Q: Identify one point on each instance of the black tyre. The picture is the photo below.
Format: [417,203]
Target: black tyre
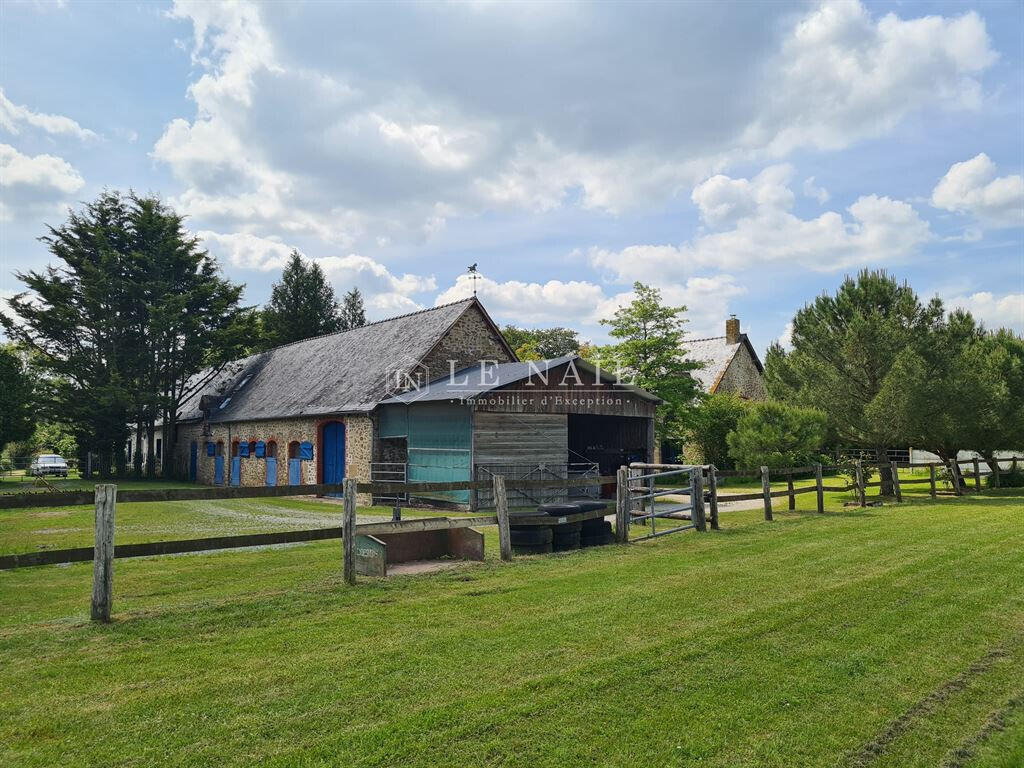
[530,536]
[558,510]
[565,528]
[566,542]
[596,527]
[531,549]
[591,506]
[596,541]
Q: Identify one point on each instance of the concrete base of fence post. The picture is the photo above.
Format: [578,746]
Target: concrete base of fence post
[820,490]
[103,554]
[622,505]
[501,509]
[766,489]
[713,495]
[348,535]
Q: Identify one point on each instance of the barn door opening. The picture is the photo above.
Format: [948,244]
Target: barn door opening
[236,464]
[294,464]
[332,453]
[218,464]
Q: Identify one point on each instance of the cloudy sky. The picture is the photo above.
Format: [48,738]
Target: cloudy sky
[741,157]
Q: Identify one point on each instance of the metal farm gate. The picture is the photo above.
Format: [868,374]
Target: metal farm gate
[543,471]
[647,483]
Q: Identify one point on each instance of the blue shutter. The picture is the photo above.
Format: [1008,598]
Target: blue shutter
[261,449]
[306,451]
[211,449]
[243,449]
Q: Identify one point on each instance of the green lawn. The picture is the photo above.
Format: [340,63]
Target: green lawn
[24,484]
[887,637]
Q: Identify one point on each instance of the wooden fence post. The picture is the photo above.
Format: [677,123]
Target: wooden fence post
[766,488]
[501,509]
[859,478]
[894,471]
[954,472]
[977,475]
[621,506]
[931,478]
[789,488]
[821,491]
[713,495]
[697,499]
[103,554]
[348,532]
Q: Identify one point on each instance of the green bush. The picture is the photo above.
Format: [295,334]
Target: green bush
[777,435]
[1008,479]
[710,425]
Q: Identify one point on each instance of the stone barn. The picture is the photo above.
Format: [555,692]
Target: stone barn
[432,395]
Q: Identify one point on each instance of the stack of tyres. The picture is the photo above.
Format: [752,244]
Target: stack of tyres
[531,539]
[566,536]
[596,533]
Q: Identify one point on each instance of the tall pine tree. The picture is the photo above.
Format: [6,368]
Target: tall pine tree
[301,305]
[353,314]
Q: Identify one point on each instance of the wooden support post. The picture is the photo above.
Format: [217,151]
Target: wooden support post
[821,491]
[789,489]
[859,478]
[713,495]
[621,505]
[103,554]
[501,509]
[954,472]
[396,513]
[766,488]
[931,479]
[977,475]
[697,499]
[996,480]
[348,532]
[894,471]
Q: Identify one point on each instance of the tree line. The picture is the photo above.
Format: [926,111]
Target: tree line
[112,336]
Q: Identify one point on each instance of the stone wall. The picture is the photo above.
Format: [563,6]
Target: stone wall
[742,377]
[470,340]
[358,449]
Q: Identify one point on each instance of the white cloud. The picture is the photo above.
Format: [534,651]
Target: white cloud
[757,227]
[972,187]
[384,292]
[247,251]
[497,109]
[785,339]
[1005,311]
[32,185]
[843,75]
[579,303]
[815,192]
[12,116]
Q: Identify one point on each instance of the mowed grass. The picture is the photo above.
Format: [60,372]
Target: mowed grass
[890,636]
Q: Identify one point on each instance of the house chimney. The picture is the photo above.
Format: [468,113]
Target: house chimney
[732,330]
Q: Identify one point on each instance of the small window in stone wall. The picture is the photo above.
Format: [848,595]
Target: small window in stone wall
[220,447]
[252,447]
[293,449]
[272,450]
[234,448]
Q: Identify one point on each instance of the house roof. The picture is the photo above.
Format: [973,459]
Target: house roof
[473,381]
[341,372]
[716,355]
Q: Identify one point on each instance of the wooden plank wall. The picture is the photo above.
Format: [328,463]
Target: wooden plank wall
[520,438]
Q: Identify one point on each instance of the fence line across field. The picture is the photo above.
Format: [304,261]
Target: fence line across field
[635,485]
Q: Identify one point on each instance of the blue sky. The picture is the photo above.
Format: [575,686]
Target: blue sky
[743,158]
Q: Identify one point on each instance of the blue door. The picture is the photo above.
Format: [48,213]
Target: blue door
[218,470]
[193,461]
[271,471]
[236,470]
[294,471]
[333,453]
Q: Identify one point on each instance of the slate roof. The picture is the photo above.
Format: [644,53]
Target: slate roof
[716,356]
[469,383]
[342,372]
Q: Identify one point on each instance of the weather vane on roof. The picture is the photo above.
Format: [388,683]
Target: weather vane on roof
[474,276]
